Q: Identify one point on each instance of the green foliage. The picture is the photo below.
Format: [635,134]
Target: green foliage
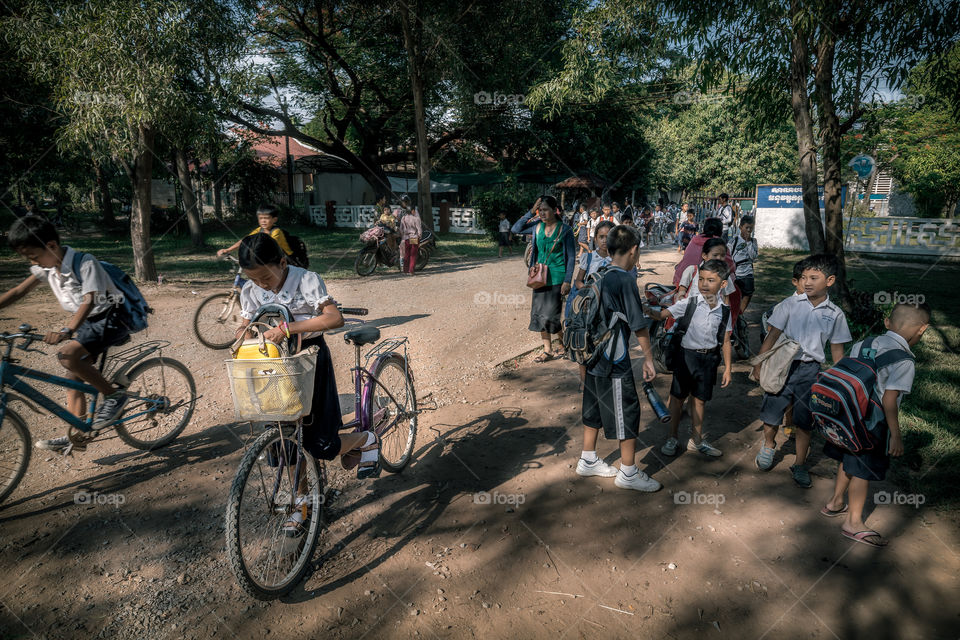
[511,198]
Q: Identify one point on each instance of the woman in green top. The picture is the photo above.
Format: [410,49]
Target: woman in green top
[553,245]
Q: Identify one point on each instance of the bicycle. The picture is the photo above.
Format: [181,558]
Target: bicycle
[277,477]
[159,389]
[216,319]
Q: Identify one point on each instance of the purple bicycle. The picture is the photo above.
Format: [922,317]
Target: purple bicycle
[275,507]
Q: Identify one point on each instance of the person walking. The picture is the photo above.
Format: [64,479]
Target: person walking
[411,228]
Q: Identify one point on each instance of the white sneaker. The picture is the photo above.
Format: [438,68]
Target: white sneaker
[638,481]
[596,468]
[704,447]
[669,447]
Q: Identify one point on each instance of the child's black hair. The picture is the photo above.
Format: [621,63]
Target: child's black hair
[269,210]
[718,267]
[621,239]
[713,227]
[32,231]
[259,250]
[747,220]
[711,243]
[825,263]
[798,269]
[603,224]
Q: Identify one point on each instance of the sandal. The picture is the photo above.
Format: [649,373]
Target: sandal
[560,355]
[830,513]
[544,357]
[862,538]
[293,527]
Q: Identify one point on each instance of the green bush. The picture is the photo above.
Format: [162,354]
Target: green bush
[511,198]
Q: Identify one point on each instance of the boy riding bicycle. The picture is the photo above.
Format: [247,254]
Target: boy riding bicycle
[99,320]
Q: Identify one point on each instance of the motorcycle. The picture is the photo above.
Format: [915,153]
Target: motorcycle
[376,251]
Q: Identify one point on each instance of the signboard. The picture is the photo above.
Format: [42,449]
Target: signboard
[863,165]
[779,212]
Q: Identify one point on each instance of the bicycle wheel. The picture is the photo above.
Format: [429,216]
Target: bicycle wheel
[216,320]
[528,254]
[366,262]
[14,452]
[741,343]
[394,418]
[659,343]
[165,394]
[274,481]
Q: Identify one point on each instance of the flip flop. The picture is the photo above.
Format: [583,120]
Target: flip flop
[544,357]
[830,513]
[861,537]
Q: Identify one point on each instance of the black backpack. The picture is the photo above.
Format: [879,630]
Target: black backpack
[299,257]
[674,353]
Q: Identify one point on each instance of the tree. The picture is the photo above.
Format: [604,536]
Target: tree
[111,68]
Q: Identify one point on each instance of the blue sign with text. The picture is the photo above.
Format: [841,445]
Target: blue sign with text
[787,196]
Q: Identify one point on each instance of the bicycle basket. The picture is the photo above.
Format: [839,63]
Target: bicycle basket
[273,389]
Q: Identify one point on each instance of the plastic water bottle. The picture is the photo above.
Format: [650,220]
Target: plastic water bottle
[656,403]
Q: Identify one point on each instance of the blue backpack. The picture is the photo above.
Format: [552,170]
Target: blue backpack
[133,302]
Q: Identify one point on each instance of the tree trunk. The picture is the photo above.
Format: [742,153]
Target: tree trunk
[103,186]
[414,59]
[832,179]
[215,175]
[189,198]
[141,172]
[799,72]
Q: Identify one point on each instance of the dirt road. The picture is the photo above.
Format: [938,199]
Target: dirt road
[488,532]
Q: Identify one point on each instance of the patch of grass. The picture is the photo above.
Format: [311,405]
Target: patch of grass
[929,415]
[332,252]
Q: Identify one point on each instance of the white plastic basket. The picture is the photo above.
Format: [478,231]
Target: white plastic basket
[273,389]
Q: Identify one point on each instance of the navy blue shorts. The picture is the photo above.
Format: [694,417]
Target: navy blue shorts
[796,391]
[696,375]
[107,329]
[868,465]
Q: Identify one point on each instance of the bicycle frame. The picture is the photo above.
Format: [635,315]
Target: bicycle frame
[12,377]
[364,380]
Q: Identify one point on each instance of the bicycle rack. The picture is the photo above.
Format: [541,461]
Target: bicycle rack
[116,361]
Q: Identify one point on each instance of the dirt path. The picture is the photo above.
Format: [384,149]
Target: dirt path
[488,533]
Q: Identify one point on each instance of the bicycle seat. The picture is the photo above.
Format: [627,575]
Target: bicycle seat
[362,336]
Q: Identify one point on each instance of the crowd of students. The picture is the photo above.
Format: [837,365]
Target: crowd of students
[716,282]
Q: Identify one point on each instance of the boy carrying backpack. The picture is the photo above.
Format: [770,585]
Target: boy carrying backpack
[605,311]
[106,308]
[882,369]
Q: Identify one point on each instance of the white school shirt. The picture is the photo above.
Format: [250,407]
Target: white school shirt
[302,293]
[898,376]
[811,326]
[596,262]
[743,252]
[702,332]
[68,288]
[504,226]
[725,213]
[692,283]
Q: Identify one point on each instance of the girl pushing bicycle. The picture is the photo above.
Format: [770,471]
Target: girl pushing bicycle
[270,280]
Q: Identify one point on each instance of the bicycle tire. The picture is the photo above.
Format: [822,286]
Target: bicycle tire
[528,255]
[124,428]
[12,420]
[366,262]
[392,431]
[305,544]
[659,343]
[231,319]
[742,349]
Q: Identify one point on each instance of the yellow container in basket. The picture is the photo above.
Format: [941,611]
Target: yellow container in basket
[269,387]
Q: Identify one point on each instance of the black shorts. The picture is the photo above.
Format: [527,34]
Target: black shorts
[696,374]
[611,404]
[869,465]
[504,238]
[321,429]
[746,285]
[104,330]
[796,391]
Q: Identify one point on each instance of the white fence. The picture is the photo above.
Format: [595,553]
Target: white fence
[923,236]
[462,219]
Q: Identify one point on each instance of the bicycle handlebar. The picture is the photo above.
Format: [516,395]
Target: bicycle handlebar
[353,311]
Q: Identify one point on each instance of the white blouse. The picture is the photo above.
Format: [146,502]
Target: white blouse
[303,293]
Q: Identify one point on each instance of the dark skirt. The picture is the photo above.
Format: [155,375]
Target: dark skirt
[545,309]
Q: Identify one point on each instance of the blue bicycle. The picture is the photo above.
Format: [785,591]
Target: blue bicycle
[161,391]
